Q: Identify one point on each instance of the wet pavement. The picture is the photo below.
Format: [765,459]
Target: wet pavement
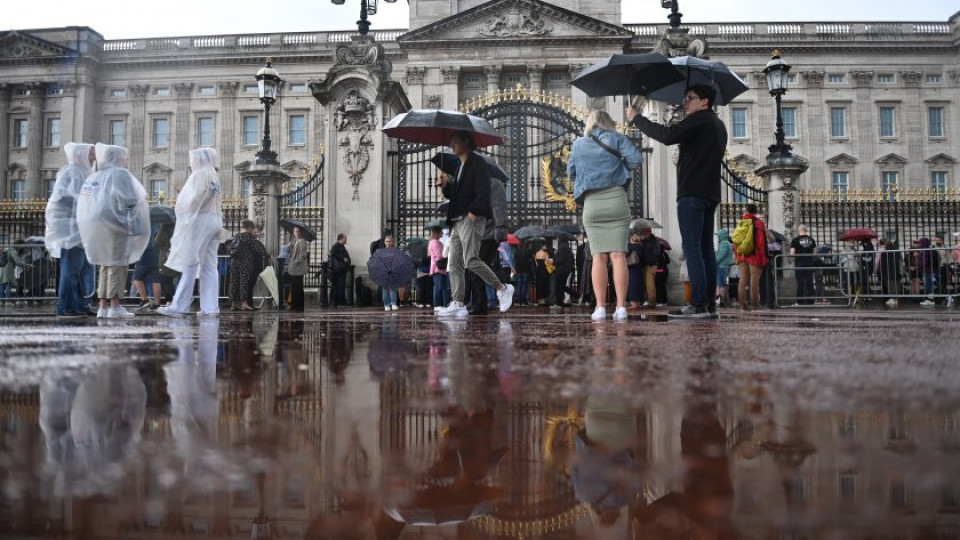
[355,424]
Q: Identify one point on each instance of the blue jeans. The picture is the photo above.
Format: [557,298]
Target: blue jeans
[523,287]
[76,275]
[696,216]
[6,290]
[389,297]
[441,290]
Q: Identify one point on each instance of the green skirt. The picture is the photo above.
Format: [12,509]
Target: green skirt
[606,217]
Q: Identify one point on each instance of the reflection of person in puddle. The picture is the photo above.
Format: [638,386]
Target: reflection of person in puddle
[704,508]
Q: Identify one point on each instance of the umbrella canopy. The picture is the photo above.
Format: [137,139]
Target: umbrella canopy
[664,244]
[162,215]
[512,239]
[269,278]
[553,233]
[447,504]
[391,268]
[637,74]
[33,240]
[695,70]
[416,249]
[442,208]
[288,225]
[449,163]
[436,126]
[644,223]
[438,223]
[778,236]
[858,233]
[568,228]
[529,231]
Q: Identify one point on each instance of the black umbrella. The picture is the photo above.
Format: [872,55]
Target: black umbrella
[568,228]
[289,224]
[447,504]
[529,231]
[552,233]
[391,268]
[449,163]
[695,70]
[621,74]
[442,208]
[778,237]
[416,249]
[435,126]
[162,215]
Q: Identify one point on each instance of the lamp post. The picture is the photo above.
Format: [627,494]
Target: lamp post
[776,72]
[367,7]
[675,15]
[268,84]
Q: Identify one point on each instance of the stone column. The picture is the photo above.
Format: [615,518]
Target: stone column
[493,77]
[4,139]
[535,73]
[578,96]
[264,204]
[138,120]
[415,85]
[451,86]
[781,181]
[911,130]
[35,142]
[181,134]
[867,130]
[227,142]
[815,120]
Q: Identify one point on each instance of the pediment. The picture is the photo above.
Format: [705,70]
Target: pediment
[512,20]
[294,165]
[15,167]
[941,158]
[842,159]
[746,161]
[19,45]
[243,165]
[157,168]
[892,159]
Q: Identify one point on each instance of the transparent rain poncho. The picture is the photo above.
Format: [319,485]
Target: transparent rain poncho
[199,211]
[112,212]
[61,215]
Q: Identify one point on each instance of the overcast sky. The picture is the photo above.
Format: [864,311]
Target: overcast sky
[120,20]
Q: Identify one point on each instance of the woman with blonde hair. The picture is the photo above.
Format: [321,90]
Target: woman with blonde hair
[600,164]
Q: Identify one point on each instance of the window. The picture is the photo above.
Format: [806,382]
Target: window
[22,91]
[161,132]
[835,78]
[791,78]
[298,88]
[20,133]
[207,91]
[53,132]
[298,129]
[898,494]
[514,79]
[934,78]
[840,181]
[116,132]
[935,121]
[938,181]
[250,89]
[55,90]
[158,188]
[887,123]
[472,81]
[246,187]
[18,189]
[163,91]
[847,427]
[888,184]
[838,122]
[251,130]
[848,487]
[118,92]
[50,183]
[885,78]
[205,131]
[555,79]
[739,120]
[789,115]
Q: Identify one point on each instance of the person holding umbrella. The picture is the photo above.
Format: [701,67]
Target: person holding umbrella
[703,139]
[469,210]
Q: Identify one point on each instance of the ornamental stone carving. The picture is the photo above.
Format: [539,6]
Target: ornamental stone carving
[575,69]
[362,51]
[451,74]
[862,78]
[515,23]
[415,74]
[954,75]
[355,118]
[814,79]
[139,91]
[911,79]
[433,101]
[789,189]
[228,88]
[535,73]
[183,90]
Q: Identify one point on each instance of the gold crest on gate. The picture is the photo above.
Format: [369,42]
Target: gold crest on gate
[557,186]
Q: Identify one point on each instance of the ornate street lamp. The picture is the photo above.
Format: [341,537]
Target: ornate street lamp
[367,7]
[268,84]
[776,72]
[675,15]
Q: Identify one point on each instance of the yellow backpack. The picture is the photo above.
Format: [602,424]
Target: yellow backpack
[743,237]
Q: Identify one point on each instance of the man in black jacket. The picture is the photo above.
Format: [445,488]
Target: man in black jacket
[339,260]
[703,139]
[467,214]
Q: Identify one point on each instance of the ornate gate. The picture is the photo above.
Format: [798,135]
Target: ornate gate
[538,129]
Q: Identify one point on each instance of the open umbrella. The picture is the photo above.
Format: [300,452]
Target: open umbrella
[695,70]
[269,279]
[568,228]
[529,231]
[391,268]
[858,233]
[443,505]
[33,240]
[512,239]
[442,208]
[778,236]
[621,74]
[644,223]
[416,249]
[438,223]
[449,163]
[436,126]
[553,233]
[288,225]
[162,215]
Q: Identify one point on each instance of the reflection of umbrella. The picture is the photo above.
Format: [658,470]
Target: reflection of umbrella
[438,223]
[449,163]
[442,209]
[512,239]
[627,74]
[435,126]
[777,236]
[858,233]
[529,231]
[416,249]
[388,353]
[162,215]
[695,70]
[288,225]
[552,233]
[447,504]
[269,278]
[644,223]
[33,240]
[391,268]
[568,228]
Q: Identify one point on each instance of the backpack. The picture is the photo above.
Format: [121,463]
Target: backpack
[743,237]
[4,259]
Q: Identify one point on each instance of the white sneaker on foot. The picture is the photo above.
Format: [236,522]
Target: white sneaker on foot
[505,297]
[599,314]
[394,307]
[118,312]
[891,302]
[928,303]
[386,308]
[620,314]
[455,309]
[102,313]
[170,312]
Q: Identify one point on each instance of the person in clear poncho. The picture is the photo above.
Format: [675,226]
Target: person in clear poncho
[114,224]
[63,235]
[193,248]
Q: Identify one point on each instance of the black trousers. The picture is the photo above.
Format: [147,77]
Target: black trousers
[296,291]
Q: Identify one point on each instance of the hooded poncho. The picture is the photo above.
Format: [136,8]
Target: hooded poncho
[61,215]
[199,211]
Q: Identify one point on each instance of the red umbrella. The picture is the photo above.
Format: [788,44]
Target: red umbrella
[512,239]
[858,233]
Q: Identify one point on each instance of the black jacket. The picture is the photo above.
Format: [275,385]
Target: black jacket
[703,140]
[339,258]
[471,193]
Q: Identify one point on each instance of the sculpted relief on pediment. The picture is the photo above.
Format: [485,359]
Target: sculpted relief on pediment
[514,23]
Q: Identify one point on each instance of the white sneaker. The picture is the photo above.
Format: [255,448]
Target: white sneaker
[208,314]
[455,309]
[599,314]
[928,303]
[394,307]
[118,312]
[891,302]
[102,313]
[950,302]
[438,309]
[170,312]
[662,304]
[386,308]
[620,314]
[505,297]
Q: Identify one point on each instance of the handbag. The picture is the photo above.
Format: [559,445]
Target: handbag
[549,266]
